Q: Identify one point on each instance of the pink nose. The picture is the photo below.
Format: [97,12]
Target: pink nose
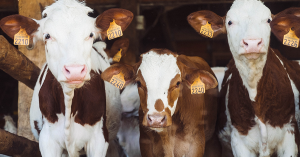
[75,73]
[157,120]
[252,45]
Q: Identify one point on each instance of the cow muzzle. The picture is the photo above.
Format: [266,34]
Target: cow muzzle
[75,74]
[252,48]
[157,120]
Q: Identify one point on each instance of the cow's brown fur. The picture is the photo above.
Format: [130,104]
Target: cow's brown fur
[188,129]
[89,102]
[274,102]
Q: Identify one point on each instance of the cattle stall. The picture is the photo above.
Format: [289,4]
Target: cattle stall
[156,24]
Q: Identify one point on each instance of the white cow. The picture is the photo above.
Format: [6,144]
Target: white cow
[68,109]
[260,90]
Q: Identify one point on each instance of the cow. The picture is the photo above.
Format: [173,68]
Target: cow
[7,124]
[219,72]
[173,122]
[260,89]
[72,107]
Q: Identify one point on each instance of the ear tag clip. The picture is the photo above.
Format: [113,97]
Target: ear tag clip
[117,56]
[118,80]
[198,87]
[114,31]
[290,39]
[206,30]
[21,38]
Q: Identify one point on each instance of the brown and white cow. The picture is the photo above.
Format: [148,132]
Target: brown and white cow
[72,107]
[171,118]
[260,90]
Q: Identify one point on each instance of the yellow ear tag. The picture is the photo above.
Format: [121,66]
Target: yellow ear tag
[114,31]
[117,56]
[198,87]
[290,39]
[207,30]
[21,38]
[118,80]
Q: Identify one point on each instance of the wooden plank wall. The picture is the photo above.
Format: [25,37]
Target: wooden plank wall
[30,9]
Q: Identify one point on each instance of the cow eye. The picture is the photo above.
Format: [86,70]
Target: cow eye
[177,84]
[138,83]
[229,23]
[269,20]
[47,36]
[91,35]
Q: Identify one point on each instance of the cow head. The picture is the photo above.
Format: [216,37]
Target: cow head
[160,76]
[248,27]
[68,33]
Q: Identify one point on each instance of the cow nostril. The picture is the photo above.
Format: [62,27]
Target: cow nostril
[149,118]
[245,43]
[259,43]
[83,70]
[67,71]
[163,119]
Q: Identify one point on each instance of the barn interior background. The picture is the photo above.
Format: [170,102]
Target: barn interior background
[158,24]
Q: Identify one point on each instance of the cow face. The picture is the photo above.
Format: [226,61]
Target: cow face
[160,75]
[247,25]
[68,33]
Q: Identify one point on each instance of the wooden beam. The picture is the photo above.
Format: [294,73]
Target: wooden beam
[17,65]
[12,145]
[30,9]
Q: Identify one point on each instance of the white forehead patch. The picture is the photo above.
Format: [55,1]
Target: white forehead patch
[66,16]
[158,70]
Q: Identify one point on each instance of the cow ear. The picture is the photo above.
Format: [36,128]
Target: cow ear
[11,25]
[122,43]
[115,69]
[208,79]
[284,21]
[122,18]
[200,18]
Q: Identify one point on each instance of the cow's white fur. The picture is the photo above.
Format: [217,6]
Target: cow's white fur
[69,26]
[158,70]
[219,72]
[249,21]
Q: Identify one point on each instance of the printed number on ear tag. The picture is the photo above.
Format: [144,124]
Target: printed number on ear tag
[21,38]
[114,31]
[290,39]
[118,80]
[118,56]
[207,30]
[198,87]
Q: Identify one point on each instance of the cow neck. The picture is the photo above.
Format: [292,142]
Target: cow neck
[251,72]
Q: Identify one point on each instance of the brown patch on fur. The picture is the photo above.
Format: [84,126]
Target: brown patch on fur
[168,111]
[36,127]
[200,18]
[2,121]
[159,105]
[89,101]
[11,25]
[274,89]
[41,78]
[122,18]
[122,43]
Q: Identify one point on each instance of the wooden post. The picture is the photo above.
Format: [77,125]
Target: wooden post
[11,144]
[30,9]
[17,65]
